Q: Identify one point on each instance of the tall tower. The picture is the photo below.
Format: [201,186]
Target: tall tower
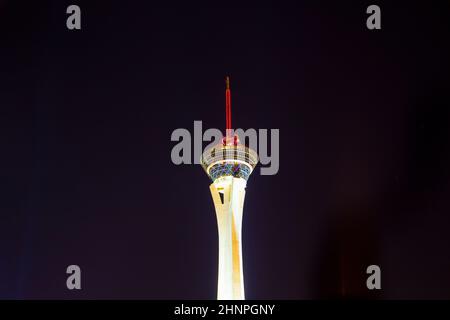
[229,165]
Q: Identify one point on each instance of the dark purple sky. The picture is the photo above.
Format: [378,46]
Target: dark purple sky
[87,179]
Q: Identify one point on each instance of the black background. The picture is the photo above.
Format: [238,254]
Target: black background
[87,179]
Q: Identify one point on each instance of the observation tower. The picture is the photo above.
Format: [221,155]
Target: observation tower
[229,165]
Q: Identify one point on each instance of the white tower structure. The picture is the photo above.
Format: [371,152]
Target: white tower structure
[229,166]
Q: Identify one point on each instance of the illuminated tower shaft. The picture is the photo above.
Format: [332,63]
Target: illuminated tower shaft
[229,166]
[228,197]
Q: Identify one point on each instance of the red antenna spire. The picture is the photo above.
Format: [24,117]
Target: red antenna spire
[228,106]
[229,139]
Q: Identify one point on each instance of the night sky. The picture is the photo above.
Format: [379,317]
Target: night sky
[86,176]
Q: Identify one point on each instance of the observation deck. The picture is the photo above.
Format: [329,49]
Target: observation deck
[230,159]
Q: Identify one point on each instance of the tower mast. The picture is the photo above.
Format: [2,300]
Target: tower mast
[228,107]
[229,139]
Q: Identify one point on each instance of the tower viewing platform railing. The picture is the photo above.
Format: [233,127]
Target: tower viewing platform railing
[229,160]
